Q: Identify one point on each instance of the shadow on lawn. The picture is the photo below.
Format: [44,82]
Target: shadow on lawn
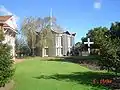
[82,78]
[90,62]
[77,59]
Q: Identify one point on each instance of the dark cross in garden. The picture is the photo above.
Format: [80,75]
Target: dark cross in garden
[88,43]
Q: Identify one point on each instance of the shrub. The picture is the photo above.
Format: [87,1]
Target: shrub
[6,68]
[110,55]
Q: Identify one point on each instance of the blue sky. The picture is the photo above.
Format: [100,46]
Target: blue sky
[76,15]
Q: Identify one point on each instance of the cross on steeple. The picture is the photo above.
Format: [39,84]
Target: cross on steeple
[88,43]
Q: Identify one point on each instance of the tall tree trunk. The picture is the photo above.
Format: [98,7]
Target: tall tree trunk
[33,52]
[116,71]
[108,69]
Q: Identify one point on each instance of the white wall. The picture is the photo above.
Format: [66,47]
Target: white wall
[10,41]
[11,22]
[58,45]
[8,38]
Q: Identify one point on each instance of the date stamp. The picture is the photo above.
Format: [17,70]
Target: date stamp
[102,81]
[113,83]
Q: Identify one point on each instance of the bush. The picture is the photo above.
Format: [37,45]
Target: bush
[110,55]
[6,68]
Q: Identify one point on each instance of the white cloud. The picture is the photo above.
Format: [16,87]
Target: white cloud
[4,11]
[97,4]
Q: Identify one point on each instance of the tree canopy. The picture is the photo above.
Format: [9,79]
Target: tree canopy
[107,41]
[38,32]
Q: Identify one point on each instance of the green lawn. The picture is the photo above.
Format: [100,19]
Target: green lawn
[37,74]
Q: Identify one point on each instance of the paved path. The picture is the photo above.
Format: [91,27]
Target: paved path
[18,60]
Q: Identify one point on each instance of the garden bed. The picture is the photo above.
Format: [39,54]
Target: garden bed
[8,86]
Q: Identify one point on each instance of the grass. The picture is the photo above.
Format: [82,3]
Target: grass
[37,74]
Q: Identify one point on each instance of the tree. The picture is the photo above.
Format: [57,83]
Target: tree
[38,33]
[29,27]
[110,56]
[21,47]
[77,49]
[96,35]
[107,41]
[115,29]
[112,46]
[45,35]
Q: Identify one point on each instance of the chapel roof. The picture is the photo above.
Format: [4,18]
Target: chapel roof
[61,30]
[67,32]
[57,29]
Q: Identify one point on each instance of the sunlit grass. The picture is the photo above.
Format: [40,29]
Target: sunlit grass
[39,74]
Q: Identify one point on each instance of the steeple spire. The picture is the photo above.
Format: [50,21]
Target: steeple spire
[51,13]
[51,16]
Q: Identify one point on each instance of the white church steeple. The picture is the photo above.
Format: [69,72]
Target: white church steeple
[51,18]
